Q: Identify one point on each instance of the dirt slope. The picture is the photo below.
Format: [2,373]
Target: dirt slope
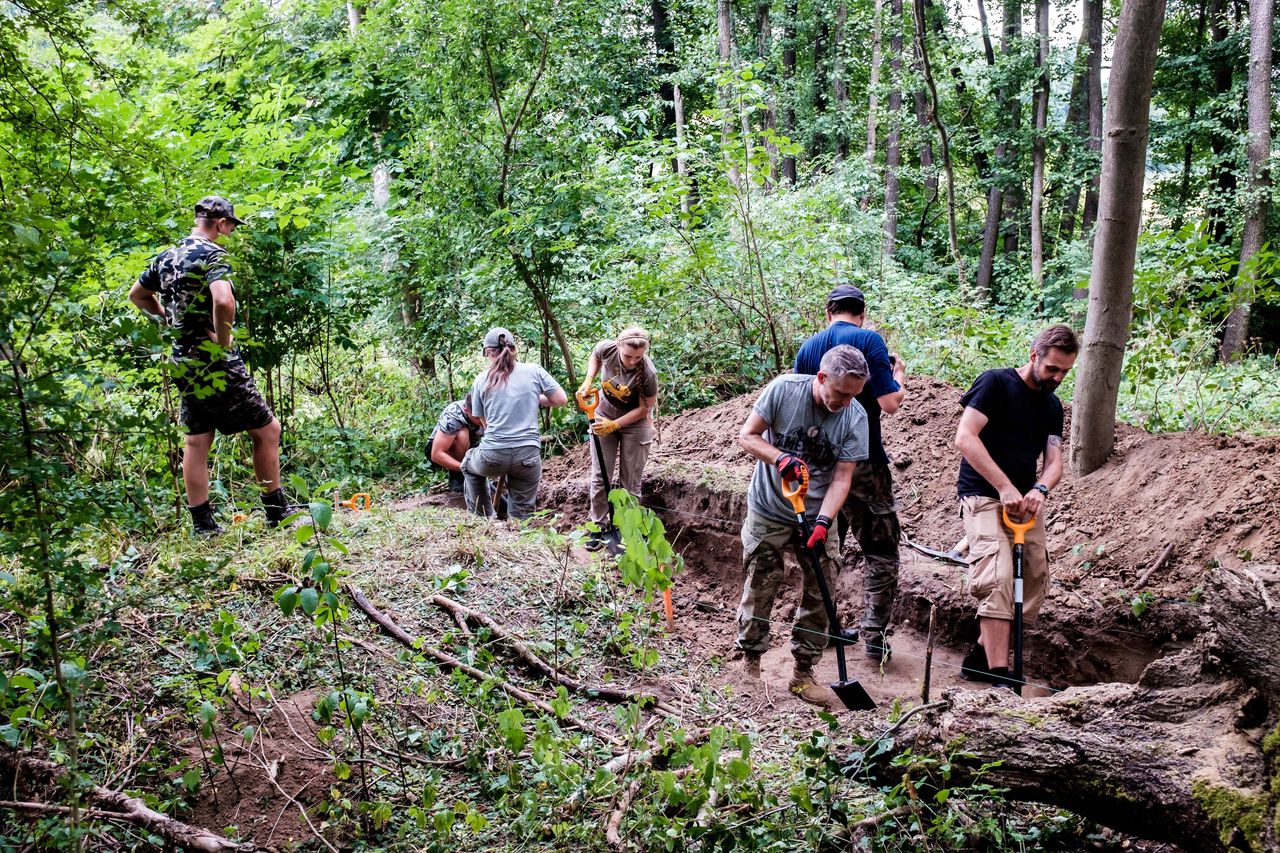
[1210,497]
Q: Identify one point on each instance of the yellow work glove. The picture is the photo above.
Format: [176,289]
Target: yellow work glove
[582,393]
[603,426]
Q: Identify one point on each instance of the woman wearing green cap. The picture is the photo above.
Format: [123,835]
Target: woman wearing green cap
[506,398]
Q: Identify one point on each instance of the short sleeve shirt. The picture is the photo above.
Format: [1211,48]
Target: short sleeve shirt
[803,427]
[511,410]
[879,383]
[182,275]
[1020,420]
[623,389]
[454,418]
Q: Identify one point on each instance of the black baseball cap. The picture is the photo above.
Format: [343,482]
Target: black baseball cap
[845,292]
[217,207]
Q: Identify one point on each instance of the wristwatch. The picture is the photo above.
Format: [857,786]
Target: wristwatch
[1042,489]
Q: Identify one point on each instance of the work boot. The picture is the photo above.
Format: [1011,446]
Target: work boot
[877,648]
[804,685]
[278,509]
[203,521]
[751,664]
[594,540]
[974,667]
[455,482]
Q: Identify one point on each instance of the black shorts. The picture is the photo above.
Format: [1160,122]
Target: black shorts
[220,396]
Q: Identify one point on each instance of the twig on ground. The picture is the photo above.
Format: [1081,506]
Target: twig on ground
[611,832]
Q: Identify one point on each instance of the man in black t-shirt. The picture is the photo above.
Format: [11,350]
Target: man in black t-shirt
[188,288]
[1010,417]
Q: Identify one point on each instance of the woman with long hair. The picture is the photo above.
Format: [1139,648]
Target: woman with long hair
[624,420]
[505,398]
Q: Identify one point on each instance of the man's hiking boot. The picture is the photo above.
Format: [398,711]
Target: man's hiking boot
[278,509]
[594,540]
[202,520]
[850,635]
[456,482]
[751,665]
[974,667]
[807,688]
[877,648]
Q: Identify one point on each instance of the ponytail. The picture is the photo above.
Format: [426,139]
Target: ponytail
[503,364]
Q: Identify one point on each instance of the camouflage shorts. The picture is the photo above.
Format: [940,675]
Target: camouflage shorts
[219,396]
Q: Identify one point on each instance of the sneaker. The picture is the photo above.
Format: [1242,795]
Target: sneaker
[803,685]
[202,520]
[751,665]
[594,541]
[877,647]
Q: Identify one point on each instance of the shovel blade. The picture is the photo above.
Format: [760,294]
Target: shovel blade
[853,695]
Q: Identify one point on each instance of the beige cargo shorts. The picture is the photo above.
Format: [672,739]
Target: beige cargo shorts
[991,561]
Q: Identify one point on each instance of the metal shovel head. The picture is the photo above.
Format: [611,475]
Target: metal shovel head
[612,540]
[853,695]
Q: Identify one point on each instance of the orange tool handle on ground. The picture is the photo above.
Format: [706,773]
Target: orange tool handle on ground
[795,491]
[588,401]
[668,608]
[1019,529]
[360,502]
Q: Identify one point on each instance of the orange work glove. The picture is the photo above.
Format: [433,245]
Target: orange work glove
[603,426]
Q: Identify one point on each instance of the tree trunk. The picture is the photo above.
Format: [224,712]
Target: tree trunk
[921,99]
[839,85]
[724,42]
[1077,126]
[1261,23]
[1124,156]
[996,194]
[967,106]
[664,47]
[1094,91]
[788,82]
[821,35]
[1040,118]
[873,101]
[353,18]
[764,34]
[1013,198]
[682,166]
[893,148]
[922,49]
[1189,146]
[1178,757]
[1222,137]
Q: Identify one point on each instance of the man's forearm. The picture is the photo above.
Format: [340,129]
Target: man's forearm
[757,447]
[975,453]
[223,318]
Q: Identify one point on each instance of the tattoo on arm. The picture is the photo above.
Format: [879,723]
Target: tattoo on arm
[1055,441]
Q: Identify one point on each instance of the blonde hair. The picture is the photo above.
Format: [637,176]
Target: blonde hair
[634,336]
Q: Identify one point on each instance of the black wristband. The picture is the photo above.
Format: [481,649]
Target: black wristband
[1042,489]
[822,521]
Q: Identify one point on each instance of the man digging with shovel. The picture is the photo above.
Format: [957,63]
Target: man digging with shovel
[1011,416]
[800,425]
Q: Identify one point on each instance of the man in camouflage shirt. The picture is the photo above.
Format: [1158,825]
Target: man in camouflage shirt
[456,432]
[188,288]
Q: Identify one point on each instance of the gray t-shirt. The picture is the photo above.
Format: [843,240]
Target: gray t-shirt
[803,427]
[511,410]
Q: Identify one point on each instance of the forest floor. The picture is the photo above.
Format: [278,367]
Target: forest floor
[198,637]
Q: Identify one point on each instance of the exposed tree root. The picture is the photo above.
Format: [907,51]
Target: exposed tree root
[117,806]
[450,662]
[612,694]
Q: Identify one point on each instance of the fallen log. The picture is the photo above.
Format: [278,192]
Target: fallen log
[610,694]
[24,769]
[1177,757]
[450,662]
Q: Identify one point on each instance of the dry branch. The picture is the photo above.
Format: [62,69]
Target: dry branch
[612,694]
[118,806]
[450,662]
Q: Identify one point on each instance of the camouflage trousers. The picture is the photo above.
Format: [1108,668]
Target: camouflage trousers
[871,514]
[763,542]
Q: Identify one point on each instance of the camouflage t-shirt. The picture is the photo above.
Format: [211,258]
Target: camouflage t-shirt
[182,275]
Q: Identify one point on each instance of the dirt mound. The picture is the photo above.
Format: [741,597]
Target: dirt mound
[1205,498]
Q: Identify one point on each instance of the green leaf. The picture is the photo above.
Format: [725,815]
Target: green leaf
[321,514]
[287,598]
[309,598]
[191,780]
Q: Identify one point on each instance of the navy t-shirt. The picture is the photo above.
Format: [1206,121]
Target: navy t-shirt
[1020,420]
[879,383]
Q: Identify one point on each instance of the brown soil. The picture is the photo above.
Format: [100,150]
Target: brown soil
[1208,497]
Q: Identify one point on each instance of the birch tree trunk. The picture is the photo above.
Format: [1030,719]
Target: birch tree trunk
[1124,155]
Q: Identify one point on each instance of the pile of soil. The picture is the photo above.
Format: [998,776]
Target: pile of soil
[1188,498]
[1212,498]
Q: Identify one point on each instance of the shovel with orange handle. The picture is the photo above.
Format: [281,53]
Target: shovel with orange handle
[588,401]
[850,692]
[1020,530]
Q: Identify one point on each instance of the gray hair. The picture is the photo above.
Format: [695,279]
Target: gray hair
[845,360]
